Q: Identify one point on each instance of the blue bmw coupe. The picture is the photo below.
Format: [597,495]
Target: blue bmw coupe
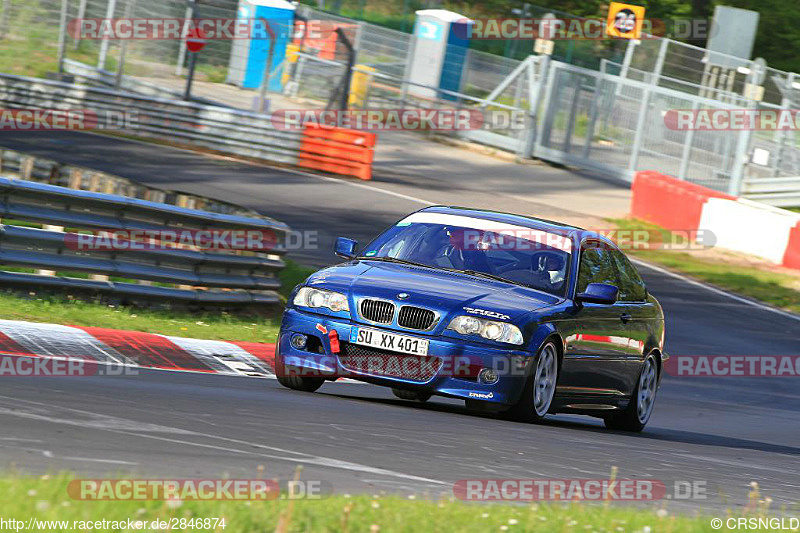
[509,313]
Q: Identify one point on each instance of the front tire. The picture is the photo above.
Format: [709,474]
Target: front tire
[540,387]
[635,417]
[304,384]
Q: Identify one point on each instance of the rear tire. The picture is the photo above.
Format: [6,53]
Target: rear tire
[300,383]
[414,396]
[635,417]
[540,387]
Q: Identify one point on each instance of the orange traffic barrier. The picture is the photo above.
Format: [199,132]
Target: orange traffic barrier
[669,202]
[338,151]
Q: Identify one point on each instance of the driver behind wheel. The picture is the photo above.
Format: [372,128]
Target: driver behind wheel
[549,270]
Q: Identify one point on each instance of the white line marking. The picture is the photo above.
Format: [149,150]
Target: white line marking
[362,186]
[114,424]
[303,458]
[715,290]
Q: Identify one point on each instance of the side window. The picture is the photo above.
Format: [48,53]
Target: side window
[631,284]
[596,266]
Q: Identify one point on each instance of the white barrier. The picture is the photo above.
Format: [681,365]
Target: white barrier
[749,227]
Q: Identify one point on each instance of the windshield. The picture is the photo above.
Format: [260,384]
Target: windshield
[516,254]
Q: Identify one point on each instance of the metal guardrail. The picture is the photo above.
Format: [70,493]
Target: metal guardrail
[28,167]
[87,75]
[221,129]
[779,192]
[200,277]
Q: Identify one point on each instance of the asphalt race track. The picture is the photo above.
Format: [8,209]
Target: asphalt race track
[726,432]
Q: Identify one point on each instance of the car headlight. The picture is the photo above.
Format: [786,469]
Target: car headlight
[488,329]
[311,297]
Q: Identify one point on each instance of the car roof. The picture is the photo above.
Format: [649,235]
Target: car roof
[578,233]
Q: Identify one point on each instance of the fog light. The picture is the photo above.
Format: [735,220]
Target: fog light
[298,341]
[487,376]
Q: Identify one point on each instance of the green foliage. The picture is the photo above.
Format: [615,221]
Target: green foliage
[46,498]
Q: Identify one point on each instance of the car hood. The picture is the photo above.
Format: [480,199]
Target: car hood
[449,293]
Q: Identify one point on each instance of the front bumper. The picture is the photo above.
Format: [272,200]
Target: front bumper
[450,379]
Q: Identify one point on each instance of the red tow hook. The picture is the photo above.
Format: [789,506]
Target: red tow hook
[334,340]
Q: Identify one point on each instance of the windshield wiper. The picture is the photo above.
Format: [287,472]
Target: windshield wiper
[484,275]
[395,260]
[460,271]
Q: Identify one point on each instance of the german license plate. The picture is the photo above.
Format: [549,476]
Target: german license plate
[389,341]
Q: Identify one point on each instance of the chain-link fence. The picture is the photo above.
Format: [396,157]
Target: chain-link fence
[609,117]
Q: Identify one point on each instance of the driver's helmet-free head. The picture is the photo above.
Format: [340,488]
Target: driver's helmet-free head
[547,261]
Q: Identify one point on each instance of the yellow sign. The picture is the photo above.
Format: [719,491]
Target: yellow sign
[624,20]
[359,85]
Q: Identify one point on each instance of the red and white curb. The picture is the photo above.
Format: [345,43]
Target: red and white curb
[134,348]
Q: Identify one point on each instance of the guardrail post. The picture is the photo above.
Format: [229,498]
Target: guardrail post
[26,168]
[75,178]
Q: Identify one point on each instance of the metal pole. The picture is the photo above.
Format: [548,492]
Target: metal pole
[639,133]
[81,14]
[262,94]
[686,155]
[786,104]
[182,46]
[739,162]
[62,36]
[742,154]
[626,62]
[534,99]
[187,94]
[662,54]
[129,7]
[351,59]
[101,59]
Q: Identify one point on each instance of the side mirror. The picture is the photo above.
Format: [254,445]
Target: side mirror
[598,293]
[345,248]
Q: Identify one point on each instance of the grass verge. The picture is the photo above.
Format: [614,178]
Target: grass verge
[244,326]
[75,312]
[45,498]
[774,288]
[214,325]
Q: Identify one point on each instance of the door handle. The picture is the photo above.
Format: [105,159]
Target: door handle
[625,317]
